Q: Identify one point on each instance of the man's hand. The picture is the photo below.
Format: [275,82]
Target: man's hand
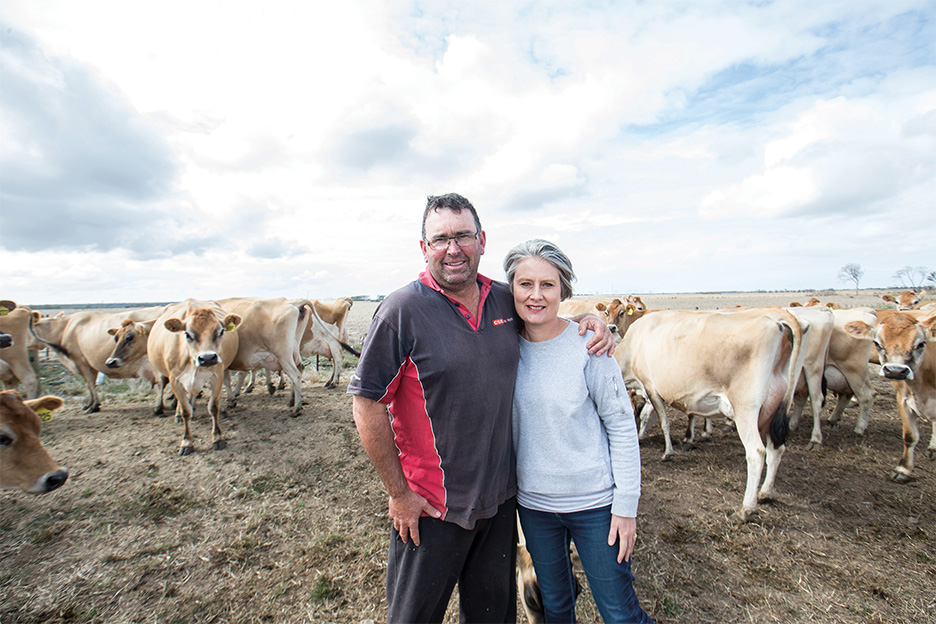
[603,340]
[623,531]
[405,511]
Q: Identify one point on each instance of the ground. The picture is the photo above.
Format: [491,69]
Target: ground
[288,523]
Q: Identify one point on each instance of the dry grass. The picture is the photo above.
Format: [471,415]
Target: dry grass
[288,524]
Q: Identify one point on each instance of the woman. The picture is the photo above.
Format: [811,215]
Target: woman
[578,460]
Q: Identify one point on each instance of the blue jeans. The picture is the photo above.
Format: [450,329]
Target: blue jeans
[612,584]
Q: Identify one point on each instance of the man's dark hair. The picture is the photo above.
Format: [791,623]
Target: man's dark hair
[450,201]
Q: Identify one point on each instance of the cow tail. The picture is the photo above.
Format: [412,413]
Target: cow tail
[349,349]
[779,427]
[52,345]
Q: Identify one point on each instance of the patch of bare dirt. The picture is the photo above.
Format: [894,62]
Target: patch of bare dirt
[288,524]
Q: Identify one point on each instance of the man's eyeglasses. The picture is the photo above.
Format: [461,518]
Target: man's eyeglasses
[463,240]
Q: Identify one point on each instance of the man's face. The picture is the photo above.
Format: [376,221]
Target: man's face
[451,266]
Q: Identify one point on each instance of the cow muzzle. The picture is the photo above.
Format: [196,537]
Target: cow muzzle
[113,363]
[50,481]
[898,372]
[207,359]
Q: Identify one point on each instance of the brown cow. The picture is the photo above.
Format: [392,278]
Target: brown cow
[323,338]
[846,371]
[611,312]
[193,343]
[901,340]
[268,338]
[15,364]
[907,300]
[84,342]
[24,462]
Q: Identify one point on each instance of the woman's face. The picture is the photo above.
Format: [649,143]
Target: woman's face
[537,291]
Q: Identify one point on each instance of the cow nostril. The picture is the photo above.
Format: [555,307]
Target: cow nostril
[112,363]
[55,479]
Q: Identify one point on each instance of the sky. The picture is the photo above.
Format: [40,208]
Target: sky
[158,151]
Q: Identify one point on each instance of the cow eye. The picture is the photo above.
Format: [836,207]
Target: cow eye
[877,345]
[129,338]
[189,337]
[5,440]
[921,346]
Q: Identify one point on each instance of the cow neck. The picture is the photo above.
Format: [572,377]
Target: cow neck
[472,317]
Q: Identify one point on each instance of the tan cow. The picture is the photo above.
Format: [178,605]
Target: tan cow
[739,363]
[268,338]
[83,342]
[15,364]
[24,462]
[6,306]
[322,338]
[611,312]
[907,300]
[335,314]
[193,343]
[904,342]
[846,372]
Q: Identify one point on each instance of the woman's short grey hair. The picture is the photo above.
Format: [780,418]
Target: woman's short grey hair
[539,248]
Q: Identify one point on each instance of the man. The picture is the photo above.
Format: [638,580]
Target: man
[441,357]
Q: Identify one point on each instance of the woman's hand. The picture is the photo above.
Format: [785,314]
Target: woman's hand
[624,532]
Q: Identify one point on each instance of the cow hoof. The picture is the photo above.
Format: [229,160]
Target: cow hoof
[667,457]
[184,451]
[159,412]
[92,409]
[688,446]
[220,445]
[727,428]
[739,517]
[900,477]
[295,413]
[814,446]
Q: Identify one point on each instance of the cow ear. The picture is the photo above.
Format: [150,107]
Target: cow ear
[6,306]
[930,324]
[50,403]
[617,301]
[600,306]
[889,298]
[631,308]
[113,331]
[859,329]
[174,325]
[231,321]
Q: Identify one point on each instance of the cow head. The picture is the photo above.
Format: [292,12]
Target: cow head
[24,463]
[907,300]
[131,343]
[900,340]
[204,330]
[636,302]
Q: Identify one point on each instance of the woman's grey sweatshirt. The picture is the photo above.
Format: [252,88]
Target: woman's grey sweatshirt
[573,424]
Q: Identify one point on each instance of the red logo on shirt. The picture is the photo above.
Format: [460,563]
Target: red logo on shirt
[501,321]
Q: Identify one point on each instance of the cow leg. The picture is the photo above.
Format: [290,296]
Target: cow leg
[648,418]
[755,456]
[773,463]
[840,405]
[708,430]
[799,402]
[231,397]
[295,377]
[159,410]
[660,407]
[183,406]
[238,383]
[815,404]
[865,396]
[689,439]
[214,408]
[911,435]
[27,377]
[250,384]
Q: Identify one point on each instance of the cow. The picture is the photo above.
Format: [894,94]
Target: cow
[15,366]
[6,306]
[268,338]
[335,314]
[608,311]
[909,361]
[846,371]
[84,342]
[740,363]
[322,338]
[907,300]
[814,352]
[24,462]
[192,343]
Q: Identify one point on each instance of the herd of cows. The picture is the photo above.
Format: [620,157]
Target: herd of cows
[753,366]
[757,366]
[190,346]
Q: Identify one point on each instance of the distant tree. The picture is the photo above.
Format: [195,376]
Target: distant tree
[913,277]
[851,273]
[931,277]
